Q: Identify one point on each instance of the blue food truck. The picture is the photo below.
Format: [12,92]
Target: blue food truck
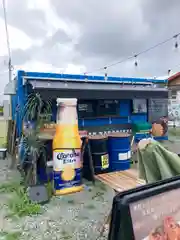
[105,104]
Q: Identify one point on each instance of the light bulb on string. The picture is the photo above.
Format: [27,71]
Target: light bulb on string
[105,74]
[136,65]
[135,61]
[176,44]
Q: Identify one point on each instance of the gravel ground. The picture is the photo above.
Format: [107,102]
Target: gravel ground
[75,216]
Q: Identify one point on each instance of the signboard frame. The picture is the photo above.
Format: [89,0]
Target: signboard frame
[151,111]
[121,216]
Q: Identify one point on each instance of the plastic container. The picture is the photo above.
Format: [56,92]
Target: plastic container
[141,127]
[67,164]
[119,151]
[141,130]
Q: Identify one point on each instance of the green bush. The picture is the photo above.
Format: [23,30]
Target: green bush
[20,203]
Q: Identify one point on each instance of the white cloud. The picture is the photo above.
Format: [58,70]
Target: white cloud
[38,4]
[35,66]
[53,22]
[70,36]
[18,39]
[71,68]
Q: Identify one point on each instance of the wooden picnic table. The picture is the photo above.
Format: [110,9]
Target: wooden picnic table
[119,181]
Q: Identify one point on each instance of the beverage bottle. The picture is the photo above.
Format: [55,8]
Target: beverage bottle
[67,149]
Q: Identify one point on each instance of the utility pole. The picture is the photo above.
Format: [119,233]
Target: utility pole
[10,69]
[9,51]
[10,79]
[11,140]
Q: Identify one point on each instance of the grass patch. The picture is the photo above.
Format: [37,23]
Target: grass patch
[65,235]
[174,131]
[19,204]
[49,187]
[10,235]
[9,187]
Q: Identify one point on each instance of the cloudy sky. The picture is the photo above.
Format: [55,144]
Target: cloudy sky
[76,36]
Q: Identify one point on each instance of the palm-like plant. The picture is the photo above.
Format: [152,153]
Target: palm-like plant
[33,149]
[39,111]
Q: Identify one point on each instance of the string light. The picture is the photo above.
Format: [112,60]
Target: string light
[140,53]
[176,45]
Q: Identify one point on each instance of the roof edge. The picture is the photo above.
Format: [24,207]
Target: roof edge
[173,77]
[89,77]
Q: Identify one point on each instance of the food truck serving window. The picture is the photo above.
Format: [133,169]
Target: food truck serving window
[97,108]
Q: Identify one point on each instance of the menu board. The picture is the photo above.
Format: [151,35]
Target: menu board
[107,107]
[139,106]
[174,110]
[157,108]
[86,109]
[157,216]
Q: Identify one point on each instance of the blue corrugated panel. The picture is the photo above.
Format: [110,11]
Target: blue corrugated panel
[125,108]
[80,122]
[119,120]
[139,118]
[14,103]
[101,122]
[96,122]
[21,95]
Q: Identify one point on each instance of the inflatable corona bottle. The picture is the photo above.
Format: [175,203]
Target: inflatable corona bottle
[67,149]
